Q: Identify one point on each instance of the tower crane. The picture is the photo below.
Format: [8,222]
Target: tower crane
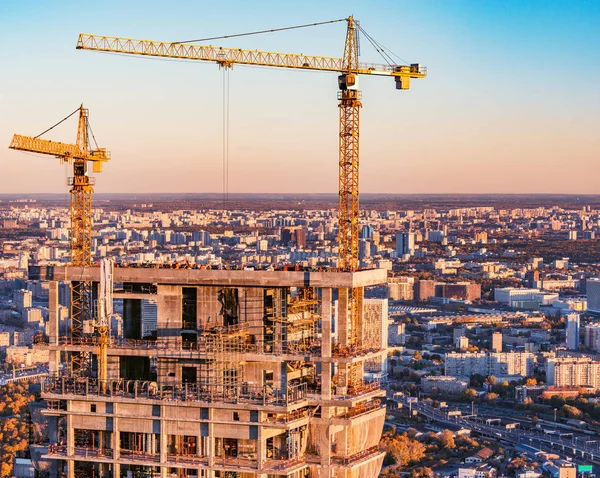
[82,188]
[349,96]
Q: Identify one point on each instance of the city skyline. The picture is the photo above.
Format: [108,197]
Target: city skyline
[494,114]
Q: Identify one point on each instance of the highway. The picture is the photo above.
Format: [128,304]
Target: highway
[585,449]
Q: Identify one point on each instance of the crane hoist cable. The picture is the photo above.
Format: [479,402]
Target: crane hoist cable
[225,141]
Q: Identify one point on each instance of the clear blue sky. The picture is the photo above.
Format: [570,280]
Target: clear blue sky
[511,103]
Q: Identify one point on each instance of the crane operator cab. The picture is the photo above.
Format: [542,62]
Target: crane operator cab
[348,81]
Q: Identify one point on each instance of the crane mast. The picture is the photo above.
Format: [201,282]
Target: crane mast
[348,198]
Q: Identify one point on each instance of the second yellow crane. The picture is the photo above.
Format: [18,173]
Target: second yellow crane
[82,190]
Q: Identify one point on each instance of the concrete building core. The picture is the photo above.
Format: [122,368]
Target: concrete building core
[243,378]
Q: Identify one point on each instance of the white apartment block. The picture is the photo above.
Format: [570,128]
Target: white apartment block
[512,295]
[573,372]
[489,363]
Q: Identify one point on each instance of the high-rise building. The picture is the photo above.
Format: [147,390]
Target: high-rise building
[366,231]
[405,243]
[423,290]
[286,236]
[572,328]
[573,372]
[497,342]
[300,237]
[23,299]
[461,343]
[592,337]
[593,295]
[262,245]
[364,249]
[220,390]
[23,261]
[397,334]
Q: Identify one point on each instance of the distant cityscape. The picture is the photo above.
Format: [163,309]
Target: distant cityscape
[489,313]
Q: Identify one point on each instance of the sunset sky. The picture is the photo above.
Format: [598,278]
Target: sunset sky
[511,103]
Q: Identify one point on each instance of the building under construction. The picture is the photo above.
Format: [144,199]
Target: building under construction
[249,374]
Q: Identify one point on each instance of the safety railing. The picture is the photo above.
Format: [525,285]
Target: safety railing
[207,344]
[184,392]
[361,455]
[360,409]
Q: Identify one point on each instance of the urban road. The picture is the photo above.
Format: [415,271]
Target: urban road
[583,449]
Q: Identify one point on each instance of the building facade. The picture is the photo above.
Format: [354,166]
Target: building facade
[244,378]
[573,372]
[593,295]
[572,331]
[592,336]
[490,363]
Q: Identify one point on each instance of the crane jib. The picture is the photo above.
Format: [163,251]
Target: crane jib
[232,56]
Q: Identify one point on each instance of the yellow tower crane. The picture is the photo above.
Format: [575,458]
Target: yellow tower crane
[349,98]
[82,189]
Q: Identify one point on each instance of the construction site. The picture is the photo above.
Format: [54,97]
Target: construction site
[249,373]
[246,377]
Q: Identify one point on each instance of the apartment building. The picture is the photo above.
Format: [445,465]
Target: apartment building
[499,364]
[573,372]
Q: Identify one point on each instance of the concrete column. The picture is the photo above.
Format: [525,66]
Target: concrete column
[169,309]
[342,317]
[115,441]
[70,431]
[326,307]
[211,438]
[70,442]
[326,367]
[163,445]
[261,446]
[53,326]
[326,372]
